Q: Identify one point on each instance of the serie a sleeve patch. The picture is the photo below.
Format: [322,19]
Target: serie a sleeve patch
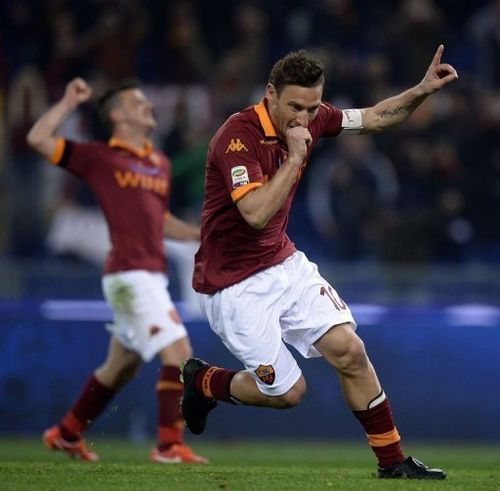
[239,176]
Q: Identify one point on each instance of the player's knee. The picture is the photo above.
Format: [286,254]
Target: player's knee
[177,352]
[291,398]
[352,358]
[183,348]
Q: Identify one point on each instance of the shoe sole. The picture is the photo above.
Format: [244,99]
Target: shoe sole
[165,460]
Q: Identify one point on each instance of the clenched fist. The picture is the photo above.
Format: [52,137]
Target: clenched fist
[77,92]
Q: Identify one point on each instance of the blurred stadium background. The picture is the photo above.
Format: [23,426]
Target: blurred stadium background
[406,225]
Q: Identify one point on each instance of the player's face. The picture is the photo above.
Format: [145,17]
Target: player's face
[136,110]
[295,106]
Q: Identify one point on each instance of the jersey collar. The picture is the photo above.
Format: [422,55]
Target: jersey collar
[265,119]
[145,152]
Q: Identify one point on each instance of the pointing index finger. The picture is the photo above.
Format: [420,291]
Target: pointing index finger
[437,57]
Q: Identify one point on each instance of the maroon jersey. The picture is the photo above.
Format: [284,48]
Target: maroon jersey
[244,154]
[132,189]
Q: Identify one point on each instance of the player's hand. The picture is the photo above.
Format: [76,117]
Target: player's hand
[77,92]
[298,139]
[438,74]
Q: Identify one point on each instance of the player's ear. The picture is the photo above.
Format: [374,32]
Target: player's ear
[271,92]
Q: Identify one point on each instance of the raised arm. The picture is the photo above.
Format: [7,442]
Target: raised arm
[42,136]
[395,110]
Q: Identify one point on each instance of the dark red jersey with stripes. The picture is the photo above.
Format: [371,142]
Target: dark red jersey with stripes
[132,189]
[244,154]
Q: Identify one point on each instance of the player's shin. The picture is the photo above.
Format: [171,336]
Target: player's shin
[92,401]
[215,383]
[170,421]
[382,434]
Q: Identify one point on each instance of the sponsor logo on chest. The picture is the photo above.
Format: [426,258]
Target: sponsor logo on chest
[142,177]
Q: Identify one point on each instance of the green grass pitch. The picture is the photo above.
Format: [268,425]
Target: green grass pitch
[239,466]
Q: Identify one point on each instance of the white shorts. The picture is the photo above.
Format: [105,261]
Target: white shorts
[290,303]
[145,319]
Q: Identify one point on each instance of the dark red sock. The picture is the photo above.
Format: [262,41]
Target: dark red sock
[214,382]
[92,401]
[382,434]
[170,420]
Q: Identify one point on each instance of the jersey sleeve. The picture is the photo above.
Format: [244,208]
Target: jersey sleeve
[328,122]
[74,157]
[237,159]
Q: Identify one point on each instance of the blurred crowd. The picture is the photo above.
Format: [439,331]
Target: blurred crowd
[428,191]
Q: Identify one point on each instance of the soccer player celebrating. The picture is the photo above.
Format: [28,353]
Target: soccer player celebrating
[131,181]
[256,289]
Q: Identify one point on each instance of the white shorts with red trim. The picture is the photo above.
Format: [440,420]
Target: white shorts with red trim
[144,318]
[288,303]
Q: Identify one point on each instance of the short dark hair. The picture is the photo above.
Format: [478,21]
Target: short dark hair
[297,68]
[107,101]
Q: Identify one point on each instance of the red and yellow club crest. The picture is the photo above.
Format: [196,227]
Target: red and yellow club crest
[266,373]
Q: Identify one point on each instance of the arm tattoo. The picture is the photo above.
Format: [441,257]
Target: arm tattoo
[400,111]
